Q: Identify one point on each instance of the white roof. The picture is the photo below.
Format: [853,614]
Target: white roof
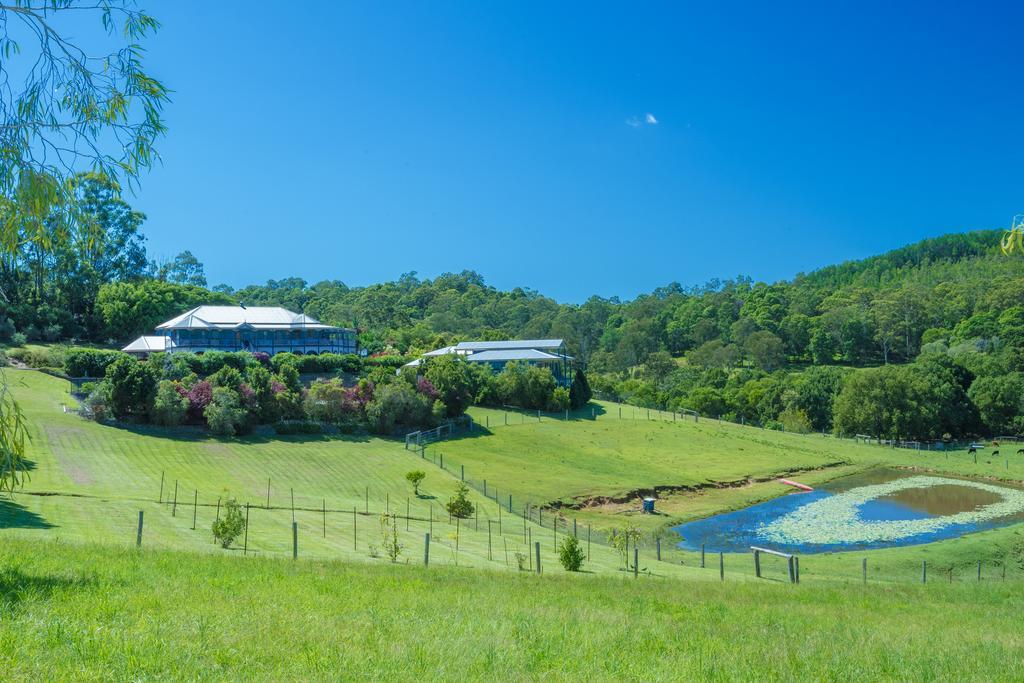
[230,317]
[512,344]
[147,344]
[441,352]
[509,355]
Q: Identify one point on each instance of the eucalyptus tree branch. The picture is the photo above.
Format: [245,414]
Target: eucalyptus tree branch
[63,111]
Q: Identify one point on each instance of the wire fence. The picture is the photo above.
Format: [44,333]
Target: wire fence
[429,535]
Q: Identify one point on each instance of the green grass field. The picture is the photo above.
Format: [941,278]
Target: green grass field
[89,482]
[81,612]
[79,601]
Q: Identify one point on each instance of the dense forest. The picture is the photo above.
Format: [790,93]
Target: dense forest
[923,342]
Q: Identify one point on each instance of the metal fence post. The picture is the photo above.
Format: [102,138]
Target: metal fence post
[721,566]
[138,536]
[295,540]
[426,549]
[537,550]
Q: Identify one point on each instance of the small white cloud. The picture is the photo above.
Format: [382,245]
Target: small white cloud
[650,120]
[633,122]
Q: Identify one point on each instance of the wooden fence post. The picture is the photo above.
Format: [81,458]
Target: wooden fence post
[295,540]
[702,556]
[721,566]
[138,535]
[864,570]
[636,561]
[426,549]
[796,562]
[537,550]
[757,563]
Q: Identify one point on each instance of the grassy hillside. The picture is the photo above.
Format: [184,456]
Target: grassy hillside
[96,613]
[90,481]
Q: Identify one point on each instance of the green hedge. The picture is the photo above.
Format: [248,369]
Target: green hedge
[81,362]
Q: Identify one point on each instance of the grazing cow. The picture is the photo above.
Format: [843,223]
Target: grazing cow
[995,452]
[1020,451]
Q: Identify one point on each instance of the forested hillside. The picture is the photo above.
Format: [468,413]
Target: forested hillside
[946,316]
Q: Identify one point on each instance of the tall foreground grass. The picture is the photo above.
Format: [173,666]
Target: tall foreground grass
[76,612]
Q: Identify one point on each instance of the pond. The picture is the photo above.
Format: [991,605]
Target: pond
[881,508]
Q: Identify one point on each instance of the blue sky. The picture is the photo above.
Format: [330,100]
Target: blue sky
[578,149]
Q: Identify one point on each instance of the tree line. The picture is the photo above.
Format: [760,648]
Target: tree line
[737,348]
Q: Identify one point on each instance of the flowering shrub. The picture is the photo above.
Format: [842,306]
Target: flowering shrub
[426,387]
[199,396]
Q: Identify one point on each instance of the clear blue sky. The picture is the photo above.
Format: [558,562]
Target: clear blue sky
[358,141]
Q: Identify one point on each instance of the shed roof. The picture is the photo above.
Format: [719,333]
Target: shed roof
[501,355]
[147,344]
[511,344]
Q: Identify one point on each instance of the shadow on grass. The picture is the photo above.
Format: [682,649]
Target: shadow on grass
[17,586]
[15,516]
[199,434]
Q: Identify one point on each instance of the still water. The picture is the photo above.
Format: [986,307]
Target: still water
[737,531]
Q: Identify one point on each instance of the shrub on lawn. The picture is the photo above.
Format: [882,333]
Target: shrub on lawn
[132,387]
[96,406]
[570,554]
[225,414]
[80,362]
[230,526]
[459,504]
[169,406]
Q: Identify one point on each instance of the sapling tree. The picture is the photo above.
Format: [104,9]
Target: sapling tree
[229,525]
[389,537]
[571,554]
[459,504]
[622,539]
[416,477]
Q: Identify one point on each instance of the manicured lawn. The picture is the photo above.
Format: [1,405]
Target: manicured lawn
[72,612]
